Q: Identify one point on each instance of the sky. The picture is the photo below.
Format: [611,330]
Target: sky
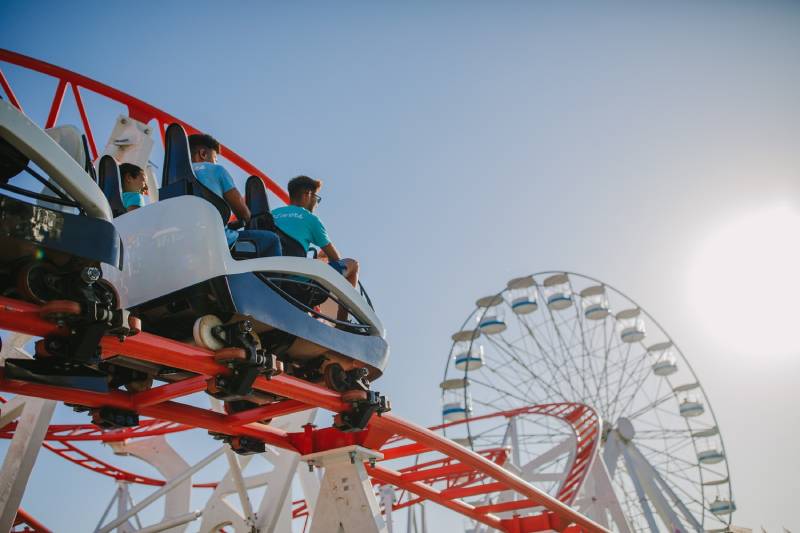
[652,146]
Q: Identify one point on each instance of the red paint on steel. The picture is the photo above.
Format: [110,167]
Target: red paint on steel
[87,128]
[28,523]
[55,107]
[137,109]
[9,93]
[170,391]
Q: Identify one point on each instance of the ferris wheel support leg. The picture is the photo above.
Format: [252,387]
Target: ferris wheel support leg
[347,502]
[598,498]
[21,456]
[642,491]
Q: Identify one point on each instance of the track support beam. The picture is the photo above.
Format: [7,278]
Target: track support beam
[22,452]
[347,502]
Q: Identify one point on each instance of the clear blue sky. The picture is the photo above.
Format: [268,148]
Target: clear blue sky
[465,143]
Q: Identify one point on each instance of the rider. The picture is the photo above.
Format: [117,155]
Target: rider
[134,185]
[298,221]
[205,149]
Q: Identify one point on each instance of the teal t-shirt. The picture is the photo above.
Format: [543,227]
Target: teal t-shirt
[133,198]
[302,225]
[219,181]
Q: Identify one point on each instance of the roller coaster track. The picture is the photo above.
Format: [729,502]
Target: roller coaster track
[159,402]
[486,476]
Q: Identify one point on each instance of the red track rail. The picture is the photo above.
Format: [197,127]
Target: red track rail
[160,403]
[25,523]
[137,109]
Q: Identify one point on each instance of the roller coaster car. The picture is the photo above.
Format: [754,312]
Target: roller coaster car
[261,316]
[52,246]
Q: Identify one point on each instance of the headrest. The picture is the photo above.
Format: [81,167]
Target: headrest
[177,158]
[111,184]
[70,139]
[255,196]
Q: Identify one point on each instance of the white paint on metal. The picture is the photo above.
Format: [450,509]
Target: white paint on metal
[347,502]
[34,419]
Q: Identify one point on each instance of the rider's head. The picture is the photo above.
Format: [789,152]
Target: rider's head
[133,178]
[303,192]
[204,148]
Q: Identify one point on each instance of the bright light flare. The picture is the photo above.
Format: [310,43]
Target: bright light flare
[744,283]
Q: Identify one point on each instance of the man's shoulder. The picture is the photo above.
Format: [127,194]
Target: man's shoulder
[292,211]
[209,168]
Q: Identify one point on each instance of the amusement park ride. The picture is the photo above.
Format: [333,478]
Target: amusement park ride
[149,324]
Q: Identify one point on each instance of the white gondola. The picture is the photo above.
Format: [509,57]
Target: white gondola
[557,292]
[467,353]
[666,363]
[522,294]
[691,407]
[722,507]
[594,302]
[455,402]
[710,457]
[490,317]
[631,325]
[472,359]
[706,433]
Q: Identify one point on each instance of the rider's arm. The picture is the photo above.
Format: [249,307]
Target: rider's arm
[331,251]
[235,200]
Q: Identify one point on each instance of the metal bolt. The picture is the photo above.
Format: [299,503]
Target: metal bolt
[372,462]
[91,274]
[352,458]
[311,466]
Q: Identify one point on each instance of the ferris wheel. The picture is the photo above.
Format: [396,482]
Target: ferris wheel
[560,336]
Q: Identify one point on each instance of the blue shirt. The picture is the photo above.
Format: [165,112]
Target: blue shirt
[133,198]
[218,181]
[302,225]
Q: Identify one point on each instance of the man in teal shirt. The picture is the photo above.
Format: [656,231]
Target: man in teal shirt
[205,149]
[299,222]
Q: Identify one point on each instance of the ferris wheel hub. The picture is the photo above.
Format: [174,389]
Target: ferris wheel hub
[625,429]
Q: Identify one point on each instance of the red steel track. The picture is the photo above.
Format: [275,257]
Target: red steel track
[137,109]
[158,403]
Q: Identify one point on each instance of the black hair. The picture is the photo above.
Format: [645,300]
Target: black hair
[202,140]
[300,184]
[129,168]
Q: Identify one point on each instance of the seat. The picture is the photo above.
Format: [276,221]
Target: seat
[255,196]
[178,177]
[110,183]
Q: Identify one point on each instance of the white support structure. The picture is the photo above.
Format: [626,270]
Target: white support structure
[347,502]
[598,501]
[34,418]
[387,499]
[159,454]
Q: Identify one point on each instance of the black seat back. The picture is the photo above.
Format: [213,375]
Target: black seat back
[111,184]
[178,177]
[88,166]
[255,196]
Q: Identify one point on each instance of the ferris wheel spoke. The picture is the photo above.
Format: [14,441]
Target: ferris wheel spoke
[508,349]
[565,351]
[585,357]
[553,366]
[642,377]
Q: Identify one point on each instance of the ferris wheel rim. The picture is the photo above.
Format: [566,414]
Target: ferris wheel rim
[479,312]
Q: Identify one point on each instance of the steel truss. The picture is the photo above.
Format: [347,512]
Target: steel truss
[160,402]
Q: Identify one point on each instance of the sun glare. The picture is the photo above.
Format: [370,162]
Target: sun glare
[744,283]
